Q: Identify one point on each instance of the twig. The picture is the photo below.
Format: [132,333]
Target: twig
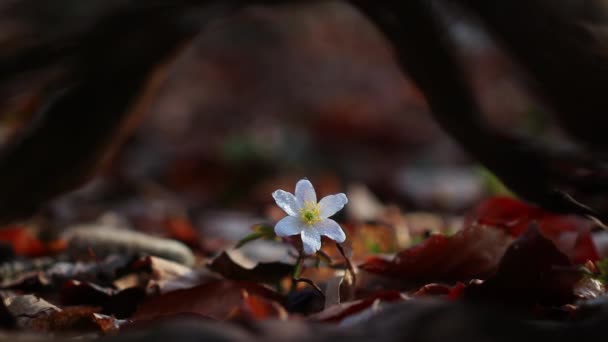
[350,279]
[297,271]
[312,284]
[349,264]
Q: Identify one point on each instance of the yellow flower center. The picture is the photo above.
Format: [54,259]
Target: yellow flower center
[310,213]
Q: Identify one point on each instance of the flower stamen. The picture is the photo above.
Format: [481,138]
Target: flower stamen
[310,213]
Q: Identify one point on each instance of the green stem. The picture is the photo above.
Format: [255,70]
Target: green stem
[296,277]
[297,271]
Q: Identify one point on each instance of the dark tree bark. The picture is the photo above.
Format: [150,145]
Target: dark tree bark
[544,176]
[109,59]
[107,67]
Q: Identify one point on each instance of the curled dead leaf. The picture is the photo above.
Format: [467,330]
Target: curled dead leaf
[121,304]
[570,233]
[533,270]
[472,252]
[269,273]
[219,300]
[340,312]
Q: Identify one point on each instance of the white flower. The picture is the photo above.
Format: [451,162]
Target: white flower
[307,217]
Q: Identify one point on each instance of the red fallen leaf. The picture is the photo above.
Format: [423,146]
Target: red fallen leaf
[181,229]
[218,300]
[571,234]
[339,312]
[25,243]
[506,213]
[260,308]
[457,291]
[447,291]
[532,271]
[77,318]
[473,252]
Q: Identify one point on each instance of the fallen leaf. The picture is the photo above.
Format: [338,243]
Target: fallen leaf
[181,229]
[269,273]
[78,319]
[35,314]
[533,270]
[99,271]
[589,288]
[506,213]
[364,315]
[121,304]
[338,313]
[259,308]
[158,275]
[218,300]
[449,292]
[27,309]
[43,273]
[472,252]
[571,234]
[25,243]
[26,275]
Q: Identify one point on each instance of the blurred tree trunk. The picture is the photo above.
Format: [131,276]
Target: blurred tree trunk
[106,51]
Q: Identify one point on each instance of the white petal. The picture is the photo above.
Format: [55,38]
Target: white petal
[288,226]
[287,202]
[331,204]
[331,229]
[311,240]
[305,192]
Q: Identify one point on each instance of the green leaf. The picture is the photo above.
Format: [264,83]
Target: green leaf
[260,231]
[247,239]
[265,229]
[373,247]
[492,183]
[602,267]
